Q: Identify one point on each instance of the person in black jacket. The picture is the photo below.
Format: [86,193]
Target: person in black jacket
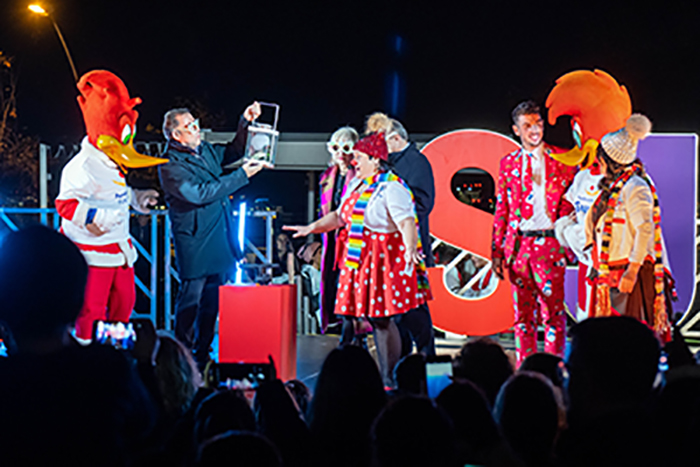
[196,192]
[414,168]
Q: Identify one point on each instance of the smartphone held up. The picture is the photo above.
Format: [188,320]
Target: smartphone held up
[117,334]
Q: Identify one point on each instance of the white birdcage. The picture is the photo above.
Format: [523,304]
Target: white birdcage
[263,138]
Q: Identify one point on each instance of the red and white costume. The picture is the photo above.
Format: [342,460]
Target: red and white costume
[571,232]
[93,186]
[91,180]
[378,288]
[93,193]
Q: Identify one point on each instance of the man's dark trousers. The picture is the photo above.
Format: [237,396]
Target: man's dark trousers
[416,326]
[195,315]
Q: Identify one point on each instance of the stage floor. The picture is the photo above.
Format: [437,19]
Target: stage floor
[312,350]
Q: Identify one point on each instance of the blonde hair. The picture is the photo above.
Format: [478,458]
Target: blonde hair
[377,122]
[380,122]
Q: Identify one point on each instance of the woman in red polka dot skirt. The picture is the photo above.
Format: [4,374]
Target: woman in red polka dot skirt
[382,273]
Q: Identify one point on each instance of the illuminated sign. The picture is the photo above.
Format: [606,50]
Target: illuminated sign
[462,221]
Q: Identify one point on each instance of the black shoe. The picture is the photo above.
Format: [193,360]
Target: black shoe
[335,328]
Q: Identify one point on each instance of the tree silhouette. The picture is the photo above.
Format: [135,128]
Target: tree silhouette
[19,162]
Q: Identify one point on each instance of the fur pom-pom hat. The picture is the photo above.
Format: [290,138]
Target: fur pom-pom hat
[621,145]
[374,145]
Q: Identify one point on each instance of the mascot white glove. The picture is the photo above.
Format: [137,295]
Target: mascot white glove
[108,219]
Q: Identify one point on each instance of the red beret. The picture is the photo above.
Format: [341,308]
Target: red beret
[374,145]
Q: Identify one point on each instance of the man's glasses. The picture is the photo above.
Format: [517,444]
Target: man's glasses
[193,126]
[345,148]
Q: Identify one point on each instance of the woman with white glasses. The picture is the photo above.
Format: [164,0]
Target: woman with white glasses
[333,184]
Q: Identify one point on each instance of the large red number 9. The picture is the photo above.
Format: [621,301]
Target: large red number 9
[468,228]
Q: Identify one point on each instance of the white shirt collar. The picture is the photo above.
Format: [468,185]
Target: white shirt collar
[538,152]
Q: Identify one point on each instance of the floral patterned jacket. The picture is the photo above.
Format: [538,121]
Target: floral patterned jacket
[510,195]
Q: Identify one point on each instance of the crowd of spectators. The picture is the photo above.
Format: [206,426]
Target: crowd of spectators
[66,404]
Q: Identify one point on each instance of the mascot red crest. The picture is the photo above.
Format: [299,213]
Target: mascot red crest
[110,118]
[106,106]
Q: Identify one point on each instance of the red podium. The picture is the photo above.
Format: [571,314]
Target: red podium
[256,321]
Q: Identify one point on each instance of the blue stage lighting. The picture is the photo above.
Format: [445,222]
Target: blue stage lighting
[241,240]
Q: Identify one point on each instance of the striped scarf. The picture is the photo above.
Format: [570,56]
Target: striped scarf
[603,306]
[357,225]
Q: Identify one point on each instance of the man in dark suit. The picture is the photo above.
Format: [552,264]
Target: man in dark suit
[197,194]
[414,168]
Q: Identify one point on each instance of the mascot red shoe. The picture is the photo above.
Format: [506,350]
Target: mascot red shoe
[94,198]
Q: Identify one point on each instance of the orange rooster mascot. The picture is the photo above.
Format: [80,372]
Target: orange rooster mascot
[94,198]
[597,105]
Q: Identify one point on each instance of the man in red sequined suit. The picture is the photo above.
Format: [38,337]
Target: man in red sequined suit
[530,197]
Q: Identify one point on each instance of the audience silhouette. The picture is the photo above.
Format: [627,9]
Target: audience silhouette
[59,400]
[612,401]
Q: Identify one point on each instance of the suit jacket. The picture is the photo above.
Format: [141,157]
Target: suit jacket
[413,167]
[510,195]
[197,194]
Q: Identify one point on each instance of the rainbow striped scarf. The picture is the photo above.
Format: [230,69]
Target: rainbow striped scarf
[603,306]
[357,225]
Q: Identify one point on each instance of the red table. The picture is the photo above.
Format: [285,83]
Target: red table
[257,321]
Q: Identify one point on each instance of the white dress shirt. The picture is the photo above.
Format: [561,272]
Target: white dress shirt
[540,219]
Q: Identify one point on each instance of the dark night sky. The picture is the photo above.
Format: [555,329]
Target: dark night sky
[465,64]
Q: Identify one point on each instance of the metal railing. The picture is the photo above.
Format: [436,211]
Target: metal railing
[50,218]
[149,286]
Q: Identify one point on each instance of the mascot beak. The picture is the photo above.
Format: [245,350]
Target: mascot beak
[584,156]
[124,155]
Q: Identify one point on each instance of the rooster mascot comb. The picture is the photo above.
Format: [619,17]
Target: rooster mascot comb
[110,119]
[94,198]
[597,105]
